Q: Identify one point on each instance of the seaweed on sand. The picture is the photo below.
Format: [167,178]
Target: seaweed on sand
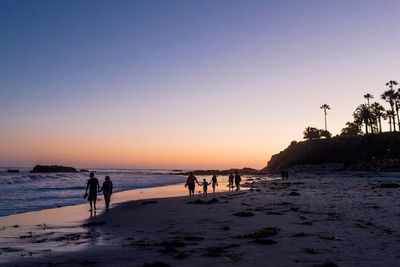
[172,243]
[264,232]
[219,250]
[311,251]
[326,264]
[157,264]
[262,241]
[204,202]
[243,214]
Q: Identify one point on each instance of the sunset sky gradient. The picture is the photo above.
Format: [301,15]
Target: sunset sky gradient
[184,84]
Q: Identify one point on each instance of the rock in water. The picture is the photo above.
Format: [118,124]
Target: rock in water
[52,168]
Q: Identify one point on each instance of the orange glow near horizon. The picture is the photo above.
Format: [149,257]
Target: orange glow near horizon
[140,159]
[125,155]
[124,147]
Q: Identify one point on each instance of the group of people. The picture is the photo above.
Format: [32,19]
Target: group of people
[192,180]
[93,187]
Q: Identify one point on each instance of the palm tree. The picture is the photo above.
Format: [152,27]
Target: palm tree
[363,115]
[391,84]
[397,105]
[368,97]
[390,115]
[390,97]
[325,107]
[378,112]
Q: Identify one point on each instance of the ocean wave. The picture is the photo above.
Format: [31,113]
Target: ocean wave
[60,189]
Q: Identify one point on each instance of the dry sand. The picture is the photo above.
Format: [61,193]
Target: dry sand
[307,220]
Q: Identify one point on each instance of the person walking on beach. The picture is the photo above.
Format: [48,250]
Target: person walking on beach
[205,185]
[190,183]
[214,182]
[230,182]
[93,187]
[284,174]
[238,179]
[107,188]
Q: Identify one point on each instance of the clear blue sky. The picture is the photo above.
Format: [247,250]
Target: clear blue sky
[184,83]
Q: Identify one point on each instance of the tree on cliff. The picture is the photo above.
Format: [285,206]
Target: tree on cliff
[378,112]
[363,115]
[397,105]
[312,133]
[325,134]
[368,97]
[390,97]
[390,115]
[325,107]
[351,128]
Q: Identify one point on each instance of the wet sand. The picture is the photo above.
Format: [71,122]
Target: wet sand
[346,219]
[37,233]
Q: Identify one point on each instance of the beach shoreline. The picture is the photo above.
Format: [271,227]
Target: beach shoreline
[307,220]
[20,234]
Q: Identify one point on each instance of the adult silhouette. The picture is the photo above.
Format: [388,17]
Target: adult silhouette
[191,183]
[93,187]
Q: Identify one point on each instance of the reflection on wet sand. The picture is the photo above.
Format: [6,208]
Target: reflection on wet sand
[66,228]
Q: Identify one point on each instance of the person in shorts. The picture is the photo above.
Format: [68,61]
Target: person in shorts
[214,182]
[93,187]
[230,182]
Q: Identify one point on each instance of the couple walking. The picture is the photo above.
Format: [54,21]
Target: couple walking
[94,187]
[237,180]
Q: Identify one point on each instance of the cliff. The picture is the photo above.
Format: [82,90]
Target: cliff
[373,152]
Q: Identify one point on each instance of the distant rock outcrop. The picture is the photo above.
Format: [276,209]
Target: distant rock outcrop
[221,172]
[52,168]
[373,152]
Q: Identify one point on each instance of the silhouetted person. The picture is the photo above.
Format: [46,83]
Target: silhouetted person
[284,174]
[230,181]
[190,183]
[214,182]
[205,185]
[238,179]
[107,189]
[93,187]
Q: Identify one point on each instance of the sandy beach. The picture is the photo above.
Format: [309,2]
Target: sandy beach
[347,219]
[37,233]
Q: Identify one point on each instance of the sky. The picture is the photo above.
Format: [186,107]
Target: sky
[184,84]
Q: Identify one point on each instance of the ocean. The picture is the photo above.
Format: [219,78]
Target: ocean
[24,191]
